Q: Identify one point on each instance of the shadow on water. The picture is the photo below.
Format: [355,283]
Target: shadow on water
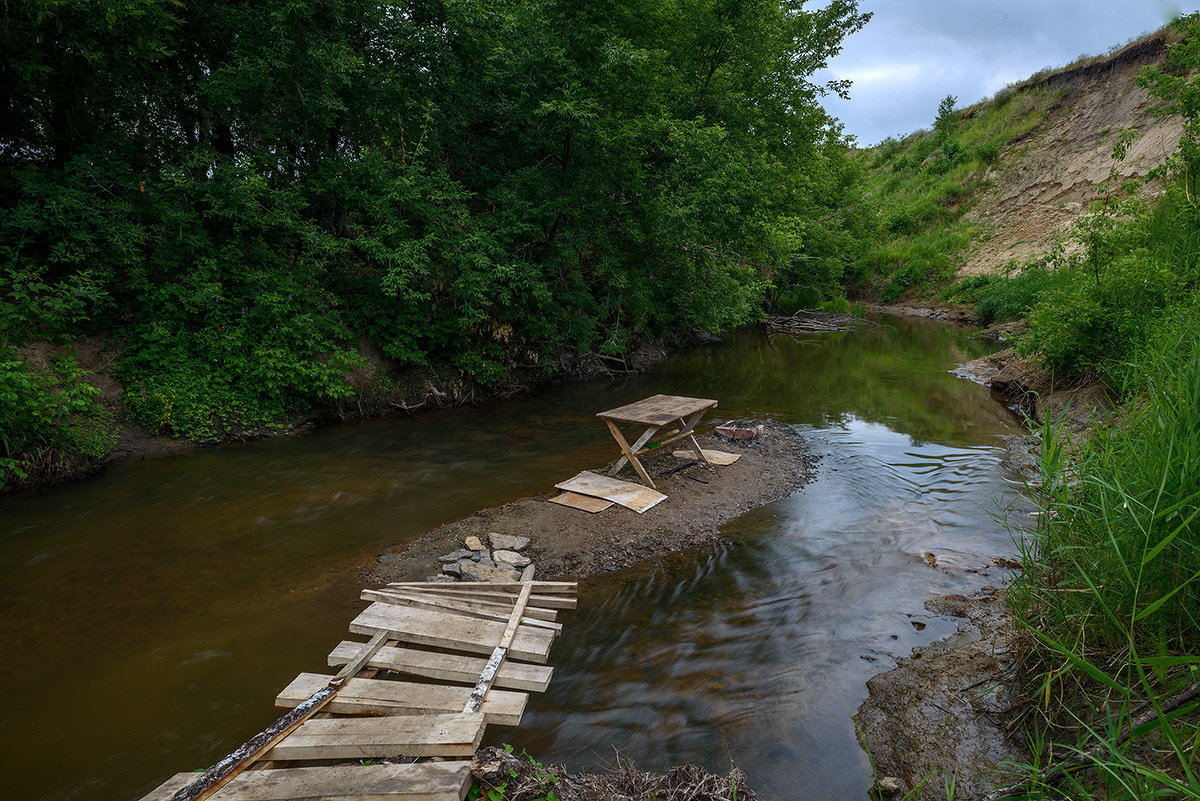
[151,614]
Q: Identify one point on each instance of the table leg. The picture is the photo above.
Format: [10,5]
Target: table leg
[689,426]
[629,452]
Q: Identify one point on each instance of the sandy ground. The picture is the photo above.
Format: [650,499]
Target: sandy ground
[571,543]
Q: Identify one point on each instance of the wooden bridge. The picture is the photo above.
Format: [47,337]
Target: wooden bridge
[339,725]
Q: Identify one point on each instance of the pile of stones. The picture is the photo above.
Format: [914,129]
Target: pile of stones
[492,557]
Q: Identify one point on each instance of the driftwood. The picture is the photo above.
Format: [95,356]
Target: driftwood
[807,321]
[1084,757]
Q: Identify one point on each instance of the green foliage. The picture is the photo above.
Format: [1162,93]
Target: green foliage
[48,414]
[1008,296]
[239,192]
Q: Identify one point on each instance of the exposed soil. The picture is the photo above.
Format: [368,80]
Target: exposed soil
[1045,179]
[571,543]
[941,713]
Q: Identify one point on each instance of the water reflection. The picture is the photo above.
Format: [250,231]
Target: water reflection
[171,599]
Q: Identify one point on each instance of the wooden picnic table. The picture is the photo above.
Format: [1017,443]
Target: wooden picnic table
[656,413]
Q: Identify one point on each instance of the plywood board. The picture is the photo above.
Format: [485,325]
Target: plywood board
[631,496]
[425,626]
[467,589]
[383,697]
[461,606]
[715,457]
[394,735]
[585,503]
[448,667]
[427,781]
[658,410]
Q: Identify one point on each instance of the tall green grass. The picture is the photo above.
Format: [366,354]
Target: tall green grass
[1109,592]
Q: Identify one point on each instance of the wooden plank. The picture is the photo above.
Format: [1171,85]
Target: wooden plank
[449,667]
[497,658]
[631,496]
[469,608]
[540,587]
[716,457]
[658,410]
[384,697]
[394,735]
[585,503]
[427,781]
[441,629]
[466,589]
[503,607]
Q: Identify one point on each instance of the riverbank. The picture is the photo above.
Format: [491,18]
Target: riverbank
[378,389]
[566,542]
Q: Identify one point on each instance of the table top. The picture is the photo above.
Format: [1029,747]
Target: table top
[657,410]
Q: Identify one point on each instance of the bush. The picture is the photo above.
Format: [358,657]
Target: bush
[48,414]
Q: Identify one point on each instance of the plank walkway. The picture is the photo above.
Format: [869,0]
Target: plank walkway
[419,688]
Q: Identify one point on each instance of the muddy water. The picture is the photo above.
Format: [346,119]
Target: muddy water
[149,615]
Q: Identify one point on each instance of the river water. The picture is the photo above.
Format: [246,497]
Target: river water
[151,614]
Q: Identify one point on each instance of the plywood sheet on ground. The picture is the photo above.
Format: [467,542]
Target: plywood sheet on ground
[585,503]
[428,781]
[371,738]
[544,587]
[447,667]
[383,697]
[714,457]
[435,627]
[631,496]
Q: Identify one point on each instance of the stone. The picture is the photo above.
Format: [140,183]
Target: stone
[508,542]
[475,544]
[454,556]
[483,559]
[889,786]
[510,558]
[475,572]
[453,569]
[384,558]
[440,577]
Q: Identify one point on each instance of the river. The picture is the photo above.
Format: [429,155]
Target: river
[151,614]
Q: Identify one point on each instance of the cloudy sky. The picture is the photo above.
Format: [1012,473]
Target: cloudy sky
[915,52]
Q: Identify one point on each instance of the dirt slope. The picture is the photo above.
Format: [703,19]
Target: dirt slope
[1044,180]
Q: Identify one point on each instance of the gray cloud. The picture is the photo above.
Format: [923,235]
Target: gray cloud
[915,52]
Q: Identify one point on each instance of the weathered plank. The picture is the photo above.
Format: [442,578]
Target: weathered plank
[449,667]
[502,607]
[584,503]
[441,629]
[501,651]
[383,697]
[541,587]
[715,457]
[658,410]
[393,735]
[631,496]
[466,589]
[428,781]
[467,607]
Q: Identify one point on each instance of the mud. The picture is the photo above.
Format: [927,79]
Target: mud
[942,714]
[567,542]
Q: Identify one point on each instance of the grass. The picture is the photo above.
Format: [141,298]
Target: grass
[1109,596]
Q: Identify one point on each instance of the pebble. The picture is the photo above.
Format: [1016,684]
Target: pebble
[510,558]
[508,542]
